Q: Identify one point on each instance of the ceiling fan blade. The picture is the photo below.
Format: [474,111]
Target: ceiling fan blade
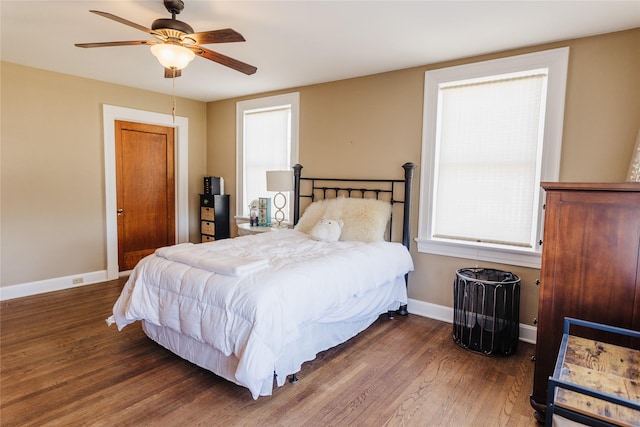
[123,21]
[107,44]
[170,73]
[226,35]
[224,60]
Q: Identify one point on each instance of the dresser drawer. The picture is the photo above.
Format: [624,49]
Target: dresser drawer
[207,213]
[208,227]
[207,238]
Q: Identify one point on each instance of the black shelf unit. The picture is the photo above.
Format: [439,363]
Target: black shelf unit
[214,217]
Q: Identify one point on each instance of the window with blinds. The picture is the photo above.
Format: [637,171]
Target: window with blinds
[487,169]
[491,135]
[266,140]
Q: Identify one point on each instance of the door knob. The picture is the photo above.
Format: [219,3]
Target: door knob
[120,212]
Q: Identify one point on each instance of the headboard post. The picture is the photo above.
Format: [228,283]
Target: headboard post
[406,224]
[297,171]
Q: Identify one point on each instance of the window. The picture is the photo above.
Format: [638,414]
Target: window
[267,139]
[492,133]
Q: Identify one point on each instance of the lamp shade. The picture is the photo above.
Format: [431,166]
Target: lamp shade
[279,180]
[172,56]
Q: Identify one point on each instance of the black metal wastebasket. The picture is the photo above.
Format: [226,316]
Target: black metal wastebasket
[486,306]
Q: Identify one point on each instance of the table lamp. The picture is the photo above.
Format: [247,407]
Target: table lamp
[279,181]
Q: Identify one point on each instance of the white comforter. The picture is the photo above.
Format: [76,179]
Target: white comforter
[253,313]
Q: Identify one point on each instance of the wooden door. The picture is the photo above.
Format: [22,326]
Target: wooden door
[145,187]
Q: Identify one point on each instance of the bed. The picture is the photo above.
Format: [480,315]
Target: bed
[253,309]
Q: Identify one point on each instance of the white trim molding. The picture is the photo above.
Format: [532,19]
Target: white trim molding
[556,62]
[110,115]
[292,99]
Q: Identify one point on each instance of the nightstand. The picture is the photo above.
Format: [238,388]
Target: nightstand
[245,229]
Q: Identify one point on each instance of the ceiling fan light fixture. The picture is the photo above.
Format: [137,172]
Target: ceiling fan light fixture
[172,56]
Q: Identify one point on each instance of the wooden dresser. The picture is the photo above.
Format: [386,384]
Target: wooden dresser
[590,267]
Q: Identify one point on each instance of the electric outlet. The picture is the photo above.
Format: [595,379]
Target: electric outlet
[78,280]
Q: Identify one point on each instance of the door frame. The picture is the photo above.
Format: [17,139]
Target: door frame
[112,113]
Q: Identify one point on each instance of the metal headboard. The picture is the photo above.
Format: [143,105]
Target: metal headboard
[340,186]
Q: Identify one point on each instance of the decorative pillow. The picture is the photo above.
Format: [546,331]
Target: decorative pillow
[311,215]
[365,220]
[327,230]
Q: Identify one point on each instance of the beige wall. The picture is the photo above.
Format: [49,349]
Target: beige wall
[52,219]
[370,126]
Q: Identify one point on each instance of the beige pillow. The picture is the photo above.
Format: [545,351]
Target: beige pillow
[365,220]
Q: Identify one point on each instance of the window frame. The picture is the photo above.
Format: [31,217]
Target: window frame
[292,99]
[556,61]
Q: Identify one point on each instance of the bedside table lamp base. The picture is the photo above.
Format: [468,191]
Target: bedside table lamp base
[279,215]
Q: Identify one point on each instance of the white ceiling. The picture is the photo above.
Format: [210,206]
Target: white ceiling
[292,43]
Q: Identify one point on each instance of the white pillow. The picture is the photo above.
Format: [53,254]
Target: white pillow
[365,220]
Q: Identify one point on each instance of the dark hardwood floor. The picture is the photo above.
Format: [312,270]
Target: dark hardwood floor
[62,365]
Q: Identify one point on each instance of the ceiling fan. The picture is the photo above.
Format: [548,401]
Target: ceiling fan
[176,43]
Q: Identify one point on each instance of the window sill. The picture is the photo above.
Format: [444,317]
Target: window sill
[496,255]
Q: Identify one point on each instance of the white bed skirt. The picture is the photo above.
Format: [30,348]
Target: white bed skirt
[314,338]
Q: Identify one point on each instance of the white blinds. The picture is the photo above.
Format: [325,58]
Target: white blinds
[267,146]
[489,139]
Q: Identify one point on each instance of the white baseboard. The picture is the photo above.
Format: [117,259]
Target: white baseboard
[445,314]
[50,285]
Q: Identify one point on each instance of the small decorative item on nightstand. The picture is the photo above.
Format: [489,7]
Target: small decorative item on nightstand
[253,213]
[264,211]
